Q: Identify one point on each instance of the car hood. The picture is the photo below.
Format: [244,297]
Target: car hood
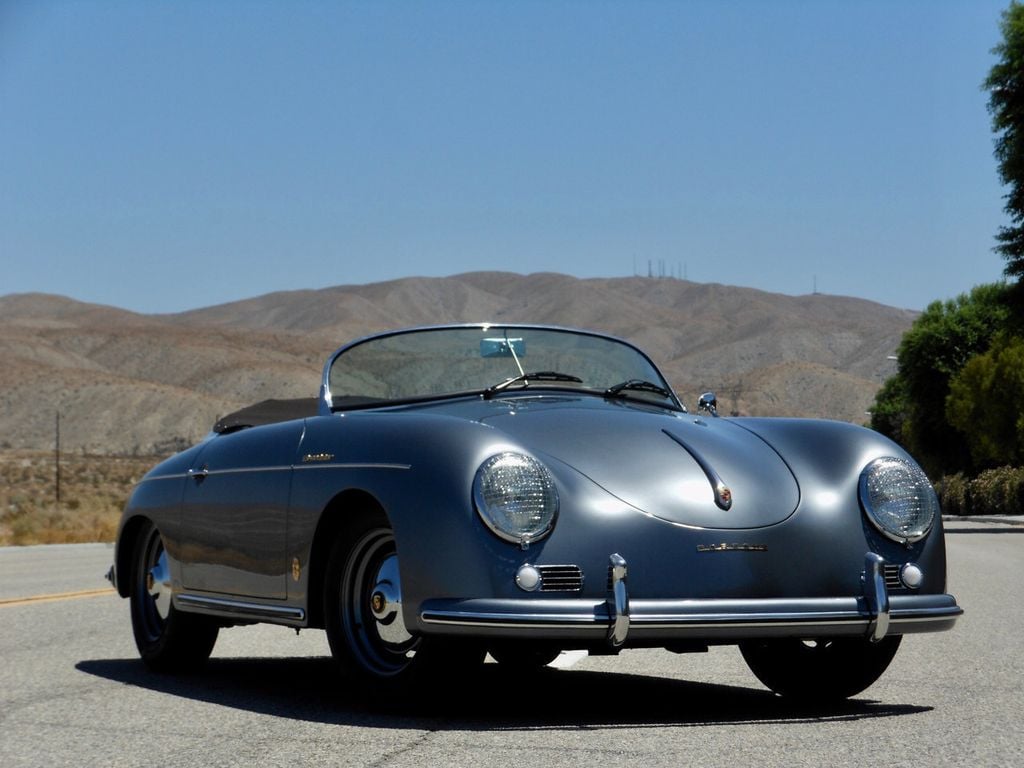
[666,464]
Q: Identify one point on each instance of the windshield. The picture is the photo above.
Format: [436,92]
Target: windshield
[436,362]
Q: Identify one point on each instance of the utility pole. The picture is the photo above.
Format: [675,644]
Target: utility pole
[57,461]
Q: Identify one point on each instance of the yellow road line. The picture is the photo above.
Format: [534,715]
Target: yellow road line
[7,602]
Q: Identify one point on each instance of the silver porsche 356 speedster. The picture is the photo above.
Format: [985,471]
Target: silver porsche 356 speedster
[524,490]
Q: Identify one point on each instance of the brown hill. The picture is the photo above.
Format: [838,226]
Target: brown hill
[126,382]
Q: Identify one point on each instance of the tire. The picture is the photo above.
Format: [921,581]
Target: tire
[523,656]
[822,670]
[363,616]
[168,640]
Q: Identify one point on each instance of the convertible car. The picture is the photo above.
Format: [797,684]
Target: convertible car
[525,490]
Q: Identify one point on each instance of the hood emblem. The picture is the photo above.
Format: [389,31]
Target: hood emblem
[723,496]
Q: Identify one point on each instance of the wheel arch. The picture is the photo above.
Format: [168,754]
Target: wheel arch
[127,543]
[340,516]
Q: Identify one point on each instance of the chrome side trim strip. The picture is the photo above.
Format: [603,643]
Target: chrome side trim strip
[353,465]
[242,470]
[223,605]
[196,474]
[203,472]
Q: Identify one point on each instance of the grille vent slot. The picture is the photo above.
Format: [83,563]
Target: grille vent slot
[560,578]
[892,576]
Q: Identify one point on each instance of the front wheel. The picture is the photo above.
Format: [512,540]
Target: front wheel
[363,611]
[828,669]
[168,640]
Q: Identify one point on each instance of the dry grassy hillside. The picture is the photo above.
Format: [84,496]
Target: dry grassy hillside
[93,490]
[127,383]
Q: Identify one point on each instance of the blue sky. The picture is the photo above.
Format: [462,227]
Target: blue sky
[163,156]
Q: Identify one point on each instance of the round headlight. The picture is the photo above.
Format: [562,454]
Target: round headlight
[515,497]
[898,499]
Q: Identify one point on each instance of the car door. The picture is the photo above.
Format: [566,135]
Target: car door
[235,512]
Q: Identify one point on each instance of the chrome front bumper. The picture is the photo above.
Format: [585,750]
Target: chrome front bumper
[621,621]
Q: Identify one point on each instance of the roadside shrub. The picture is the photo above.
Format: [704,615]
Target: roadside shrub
[953,494]
[997,491]
[1015,493]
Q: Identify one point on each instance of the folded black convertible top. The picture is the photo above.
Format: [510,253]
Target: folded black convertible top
[267,412]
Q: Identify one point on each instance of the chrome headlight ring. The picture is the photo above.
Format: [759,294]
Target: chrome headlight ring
[898,499]
[515,497]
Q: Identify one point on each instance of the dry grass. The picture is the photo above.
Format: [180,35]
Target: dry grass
[93,492]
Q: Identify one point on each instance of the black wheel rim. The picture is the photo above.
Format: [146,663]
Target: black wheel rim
[371,612]
[153,589]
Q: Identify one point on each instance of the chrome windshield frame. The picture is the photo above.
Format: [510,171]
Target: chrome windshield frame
[326,404]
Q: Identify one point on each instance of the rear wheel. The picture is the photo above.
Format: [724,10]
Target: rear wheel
[828,669]
[365,626]
[168,640]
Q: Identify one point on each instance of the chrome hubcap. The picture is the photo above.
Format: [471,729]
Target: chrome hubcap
[158,585]
[386,603]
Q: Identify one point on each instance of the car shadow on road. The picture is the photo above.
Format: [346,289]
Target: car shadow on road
[310,689]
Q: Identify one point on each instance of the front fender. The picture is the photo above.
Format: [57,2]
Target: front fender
[157,498]
[827,458]
[419,469]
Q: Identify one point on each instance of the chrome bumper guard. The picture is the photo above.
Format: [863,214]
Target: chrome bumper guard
[876,596]
[874,614]
[618,603]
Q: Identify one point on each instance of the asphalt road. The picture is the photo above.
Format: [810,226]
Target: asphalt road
[47,570]
[72,692]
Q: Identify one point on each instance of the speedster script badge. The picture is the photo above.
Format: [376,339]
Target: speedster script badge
[724,547]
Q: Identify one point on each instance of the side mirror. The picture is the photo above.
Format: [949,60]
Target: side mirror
[708,403]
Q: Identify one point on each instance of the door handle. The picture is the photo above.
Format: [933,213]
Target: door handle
[199,474]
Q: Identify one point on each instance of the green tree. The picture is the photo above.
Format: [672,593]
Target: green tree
[985,404]
[931,354]
[889,413]
[1005,85]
